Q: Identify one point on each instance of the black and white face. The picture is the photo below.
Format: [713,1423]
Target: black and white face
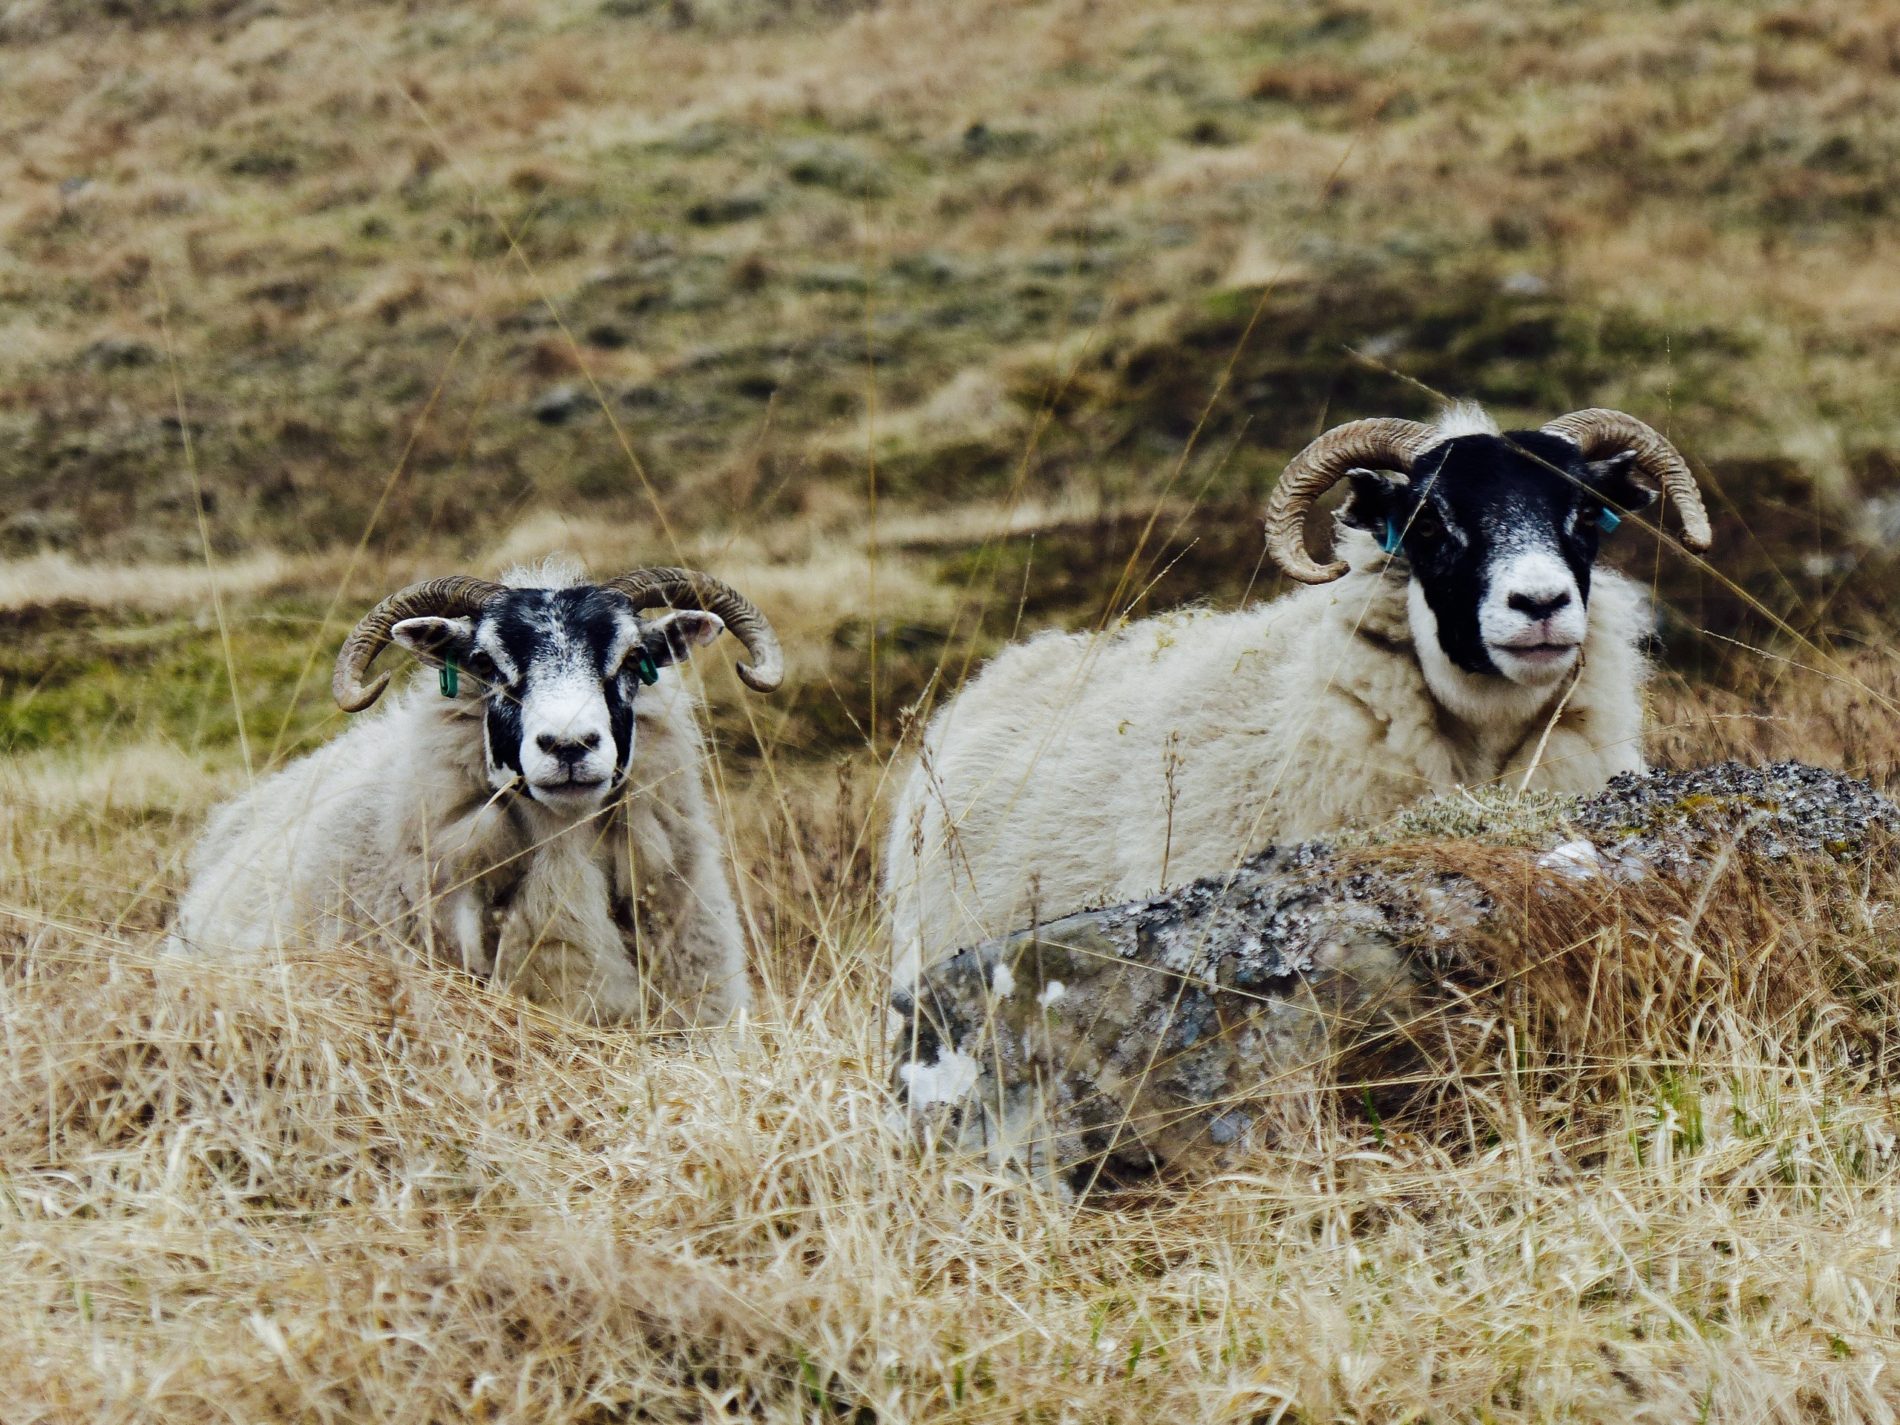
[1500,533]
[558,671]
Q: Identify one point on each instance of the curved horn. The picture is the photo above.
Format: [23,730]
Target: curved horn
[1387,444]
[690,589]
[452,597]
[1598,433]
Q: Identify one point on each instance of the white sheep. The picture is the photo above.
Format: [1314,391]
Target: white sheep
[1453,650]
[537,814]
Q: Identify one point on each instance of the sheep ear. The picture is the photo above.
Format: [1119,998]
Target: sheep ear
[1614,480]
[1372,496]
[433,639]
[671,638]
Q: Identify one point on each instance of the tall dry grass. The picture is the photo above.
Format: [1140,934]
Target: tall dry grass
[341,1188]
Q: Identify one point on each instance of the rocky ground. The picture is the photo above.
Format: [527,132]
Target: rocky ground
[1188,1029]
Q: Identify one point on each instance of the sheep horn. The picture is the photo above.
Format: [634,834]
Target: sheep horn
[690,589]
[1386,444]
[451,597]
[1598,433]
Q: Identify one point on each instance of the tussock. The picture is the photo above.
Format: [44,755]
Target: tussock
[1586,993]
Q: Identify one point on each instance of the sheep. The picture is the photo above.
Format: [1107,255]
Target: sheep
[1466,638]
[498,818]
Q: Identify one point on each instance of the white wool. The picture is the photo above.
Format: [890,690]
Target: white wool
[1051,992]
[1002,982]
[1464,418]
[1575,860]
[949,1079]
[1083,769]
[392,834]
[554,571]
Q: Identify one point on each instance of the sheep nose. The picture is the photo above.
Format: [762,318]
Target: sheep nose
[568,749]
[1539,607]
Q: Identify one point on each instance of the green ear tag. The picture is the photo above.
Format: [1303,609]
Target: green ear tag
[451,679]
[643,665]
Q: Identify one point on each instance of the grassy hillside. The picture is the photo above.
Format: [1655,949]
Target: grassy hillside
[927,325]
[419,277]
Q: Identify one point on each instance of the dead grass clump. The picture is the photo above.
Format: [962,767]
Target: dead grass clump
[1588,996]
[1312,82]
[1833,708]
[455,1170]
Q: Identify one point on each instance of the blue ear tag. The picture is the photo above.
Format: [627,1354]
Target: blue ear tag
[451,679]
[1608,521]
[644,665]
[1391,543]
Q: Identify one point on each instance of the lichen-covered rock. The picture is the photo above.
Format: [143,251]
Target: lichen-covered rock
[1180,1029]
[1124,1036]
[1674,821]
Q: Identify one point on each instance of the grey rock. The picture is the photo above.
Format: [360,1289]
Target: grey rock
[1183,1030]
[1677,821]
[559,404]
[1121,1037]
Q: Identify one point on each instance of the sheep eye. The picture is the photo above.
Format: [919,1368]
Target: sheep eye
[483,667]
[1425,525]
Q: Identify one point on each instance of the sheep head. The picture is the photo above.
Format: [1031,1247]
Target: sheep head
[557,669]
[1498,531]
[1396,445]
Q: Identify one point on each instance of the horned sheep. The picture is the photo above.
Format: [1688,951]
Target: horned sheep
[1463,635]
[538,814]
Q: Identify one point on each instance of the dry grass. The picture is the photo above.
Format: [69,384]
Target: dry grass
[344,1189]
[927,325]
